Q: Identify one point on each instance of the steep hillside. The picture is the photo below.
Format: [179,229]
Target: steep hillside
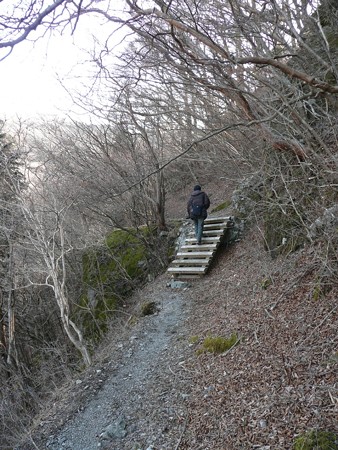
[153,388]
[281,379]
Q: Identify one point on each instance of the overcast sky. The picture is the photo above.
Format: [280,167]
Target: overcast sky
[28,76]
[28,82]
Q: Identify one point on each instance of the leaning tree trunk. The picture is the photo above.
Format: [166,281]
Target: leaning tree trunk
[57,270]
[160,202]
[12,354]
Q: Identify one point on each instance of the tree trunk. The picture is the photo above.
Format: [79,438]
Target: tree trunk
[12,355]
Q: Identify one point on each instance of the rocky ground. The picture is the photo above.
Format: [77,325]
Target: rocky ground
[152,388]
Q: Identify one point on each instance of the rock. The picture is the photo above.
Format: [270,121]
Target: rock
[115,430]
[178,284]
[262,423]
[327,222]
[245,197]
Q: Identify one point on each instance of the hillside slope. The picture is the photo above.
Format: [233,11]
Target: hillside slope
[150,389]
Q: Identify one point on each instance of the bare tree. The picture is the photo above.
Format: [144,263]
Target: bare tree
[20,19]
[48,243]
[10,177]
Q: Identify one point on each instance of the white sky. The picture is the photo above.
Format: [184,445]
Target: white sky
[28,76]
[28,83]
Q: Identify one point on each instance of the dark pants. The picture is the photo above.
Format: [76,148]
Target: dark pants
[199,228]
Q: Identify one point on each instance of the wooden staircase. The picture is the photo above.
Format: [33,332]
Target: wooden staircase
[193,260]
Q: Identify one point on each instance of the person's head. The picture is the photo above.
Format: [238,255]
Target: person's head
[197,187]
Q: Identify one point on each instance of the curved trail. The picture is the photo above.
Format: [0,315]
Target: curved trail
[125,412]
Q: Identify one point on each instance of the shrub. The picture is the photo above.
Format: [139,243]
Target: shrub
[218,344]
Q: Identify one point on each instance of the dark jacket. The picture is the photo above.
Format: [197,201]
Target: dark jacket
[199,198]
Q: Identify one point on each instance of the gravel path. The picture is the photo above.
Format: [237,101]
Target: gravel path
[125,412]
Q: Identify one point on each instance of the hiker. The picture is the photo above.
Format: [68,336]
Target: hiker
[197,210]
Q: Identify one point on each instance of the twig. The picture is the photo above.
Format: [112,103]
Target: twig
[172,371]
[270,315]
[181,436]
[233,346]
[272,307]
[318,326]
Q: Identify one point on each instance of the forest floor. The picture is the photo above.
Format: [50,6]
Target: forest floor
[150,388]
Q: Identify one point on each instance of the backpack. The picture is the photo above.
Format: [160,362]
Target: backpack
[196,211]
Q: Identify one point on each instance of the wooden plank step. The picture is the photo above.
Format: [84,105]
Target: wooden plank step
[218,232]
[192,260]
[198,261]
[209,232]
[200,247]
[222,223]
[217,219]
[192,270]
[205,240]
[194,254]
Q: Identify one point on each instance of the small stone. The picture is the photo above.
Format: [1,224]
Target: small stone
[262,423]
[178,284]
[115,430]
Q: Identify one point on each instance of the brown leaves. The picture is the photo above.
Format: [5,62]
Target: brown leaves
[277,382]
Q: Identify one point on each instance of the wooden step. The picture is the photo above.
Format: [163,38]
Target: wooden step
[213,232]
[200,247]
[183,276]
[192,270]
[185,262]
[217,219]
[194,254]
[209,232]
[205,240]
[216,224]
[193,260]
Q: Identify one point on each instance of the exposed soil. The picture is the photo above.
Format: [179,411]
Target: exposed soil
[150,388]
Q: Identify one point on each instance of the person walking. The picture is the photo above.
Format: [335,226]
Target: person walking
[197,206]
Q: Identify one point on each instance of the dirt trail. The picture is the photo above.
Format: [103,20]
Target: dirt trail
[126,412]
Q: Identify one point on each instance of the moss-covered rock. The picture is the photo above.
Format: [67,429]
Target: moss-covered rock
[283,232]
[126,259]
[247,196]
[221,206]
